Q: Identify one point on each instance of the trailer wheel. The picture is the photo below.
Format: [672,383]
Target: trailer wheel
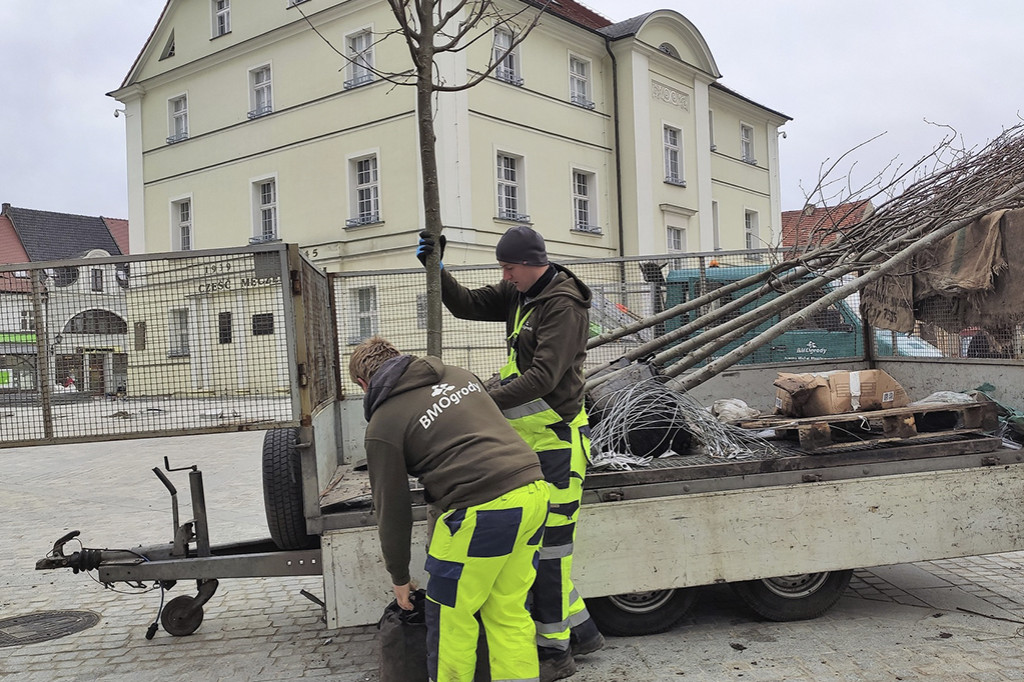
[282,491]
[641,613]
[794,597]
[181,616]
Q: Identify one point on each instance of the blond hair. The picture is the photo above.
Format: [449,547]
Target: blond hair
[369,356]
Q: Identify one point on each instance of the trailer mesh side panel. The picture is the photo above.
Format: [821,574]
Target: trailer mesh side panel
[123,347]
[318,323]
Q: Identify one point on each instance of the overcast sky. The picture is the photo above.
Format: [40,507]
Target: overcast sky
[844,71]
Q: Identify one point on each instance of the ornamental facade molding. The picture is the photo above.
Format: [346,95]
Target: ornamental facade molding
[670,95]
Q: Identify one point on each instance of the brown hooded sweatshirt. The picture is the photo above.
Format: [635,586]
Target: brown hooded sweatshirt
[435,422]
[552,345]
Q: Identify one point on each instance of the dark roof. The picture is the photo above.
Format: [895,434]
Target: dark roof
[719,86]
[625,28]
[46,235]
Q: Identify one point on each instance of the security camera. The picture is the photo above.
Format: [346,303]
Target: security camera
[118,112]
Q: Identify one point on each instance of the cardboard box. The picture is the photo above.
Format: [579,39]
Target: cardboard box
[837,392]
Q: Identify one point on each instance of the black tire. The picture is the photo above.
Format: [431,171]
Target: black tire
[794,597]
[641,613]
[282,491]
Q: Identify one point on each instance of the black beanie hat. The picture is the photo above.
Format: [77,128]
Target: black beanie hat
[521,245]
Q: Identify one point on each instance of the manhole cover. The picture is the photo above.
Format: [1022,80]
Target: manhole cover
[44,626]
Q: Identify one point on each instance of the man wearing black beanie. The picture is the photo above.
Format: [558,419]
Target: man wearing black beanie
[545,309]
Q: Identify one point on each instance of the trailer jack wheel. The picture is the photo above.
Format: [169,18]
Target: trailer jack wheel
[183,615]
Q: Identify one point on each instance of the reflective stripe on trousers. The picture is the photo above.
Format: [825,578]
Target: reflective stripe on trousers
[564,450]
[483,559]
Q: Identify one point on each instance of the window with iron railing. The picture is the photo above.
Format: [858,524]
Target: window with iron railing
[265,193]
[509,204]
[506,57]
[579,82]
[221,17]
[673,156]
[582,205]
[178,114]
[360,54]
[747,144]
[260,92]
[365,192]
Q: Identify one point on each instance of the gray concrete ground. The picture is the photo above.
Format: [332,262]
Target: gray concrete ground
[959,619]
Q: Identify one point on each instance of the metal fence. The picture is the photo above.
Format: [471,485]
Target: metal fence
[120,347]
[393,303]
[253,338]
[625,290]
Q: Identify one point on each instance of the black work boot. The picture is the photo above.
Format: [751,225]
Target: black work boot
[585,638]
[557,666]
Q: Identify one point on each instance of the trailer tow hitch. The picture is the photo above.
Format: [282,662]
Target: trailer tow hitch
[180,616]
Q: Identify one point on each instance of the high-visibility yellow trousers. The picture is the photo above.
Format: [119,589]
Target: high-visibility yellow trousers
[564,450]
[483,559]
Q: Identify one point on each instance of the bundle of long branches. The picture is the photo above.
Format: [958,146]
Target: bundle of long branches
[939,195]
[650,419]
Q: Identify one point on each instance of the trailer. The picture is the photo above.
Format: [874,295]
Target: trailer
[785,526]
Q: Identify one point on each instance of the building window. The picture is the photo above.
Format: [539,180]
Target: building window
[263,324]
[364,314]
[365,193]
[181,234]
[673,140]
[750,230]
[168,50]
[177,332]
[265,199]
[583,214]
[676,239]
[224,327]
[97,279]
[711,129]
[360,55]
[506,57]
[28,320]
[747,144]
[261,101]
[510,206]
[140,335]
[221,17]
[177,109]
[95,321]
[579,82]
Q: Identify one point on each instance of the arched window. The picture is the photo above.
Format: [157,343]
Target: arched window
[669,49]
[96,321]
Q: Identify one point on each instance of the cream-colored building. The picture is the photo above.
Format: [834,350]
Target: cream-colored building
[244,123]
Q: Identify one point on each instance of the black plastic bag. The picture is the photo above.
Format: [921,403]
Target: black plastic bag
[403,641]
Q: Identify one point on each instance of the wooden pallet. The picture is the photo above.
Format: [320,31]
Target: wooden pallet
[835,432]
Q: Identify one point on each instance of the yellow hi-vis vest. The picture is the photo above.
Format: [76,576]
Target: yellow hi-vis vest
[536,415]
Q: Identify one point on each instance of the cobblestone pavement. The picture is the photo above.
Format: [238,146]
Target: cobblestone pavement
[957,619]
